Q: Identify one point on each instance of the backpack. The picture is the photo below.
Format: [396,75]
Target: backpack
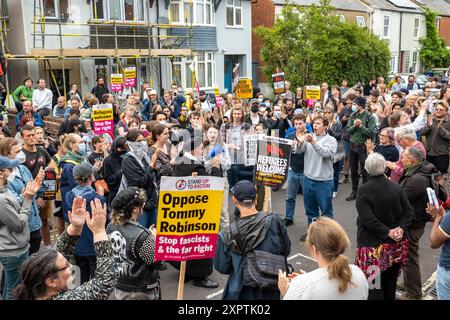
[260,267]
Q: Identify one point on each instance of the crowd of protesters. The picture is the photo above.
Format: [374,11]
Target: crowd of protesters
[391,146]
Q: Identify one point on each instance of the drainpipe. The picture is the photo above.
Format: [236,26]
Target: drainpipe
[159,59]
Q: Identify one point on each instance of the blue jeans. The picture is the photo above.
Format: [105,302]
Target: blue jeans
[11,266]
[295,181]
[317,195]
[443,283]
[337,167]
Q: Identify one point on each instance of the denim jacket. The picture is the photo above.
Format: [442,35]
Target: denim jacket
[17,186]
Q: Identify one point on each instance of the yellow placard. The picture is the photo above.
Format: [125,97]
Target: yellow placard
[102,112]
[245,89]
[130,73]
[216,92]
[313,92]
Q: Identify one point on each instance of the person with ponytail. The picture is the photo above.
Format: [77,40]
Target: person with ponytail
[48,275]
[76,154]
[134,247]
[335,279]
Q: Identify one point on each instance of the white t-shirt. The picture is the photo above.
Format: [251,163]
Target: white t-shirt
[316,285]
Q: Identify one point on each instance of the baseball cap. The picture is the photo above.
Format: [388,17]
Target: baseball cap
[360,101]
[244,191]
[83,170]
[8,163]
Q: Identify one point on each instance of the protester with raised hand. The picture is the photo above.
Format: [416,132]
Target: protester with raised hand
[14,226]
[48,273]
[335,279]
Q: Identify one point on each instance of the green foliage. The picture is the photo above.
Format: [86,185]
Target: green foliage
[311,45]
[433,53]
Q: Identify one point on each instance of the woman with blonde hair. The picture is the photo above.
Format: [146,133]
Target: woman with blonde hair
[335,279]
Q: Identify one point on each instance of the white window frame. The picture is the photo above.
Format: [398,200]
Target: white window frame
[181,12]
[185,70]
[56,7]
[416,30]
[341,18]
[235,8]
[388,27]
[392,63]
[358,21]
[415,63]
[106,12]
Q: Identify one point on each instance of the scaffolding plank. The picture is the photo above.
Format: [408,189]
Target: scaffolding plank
[82,53]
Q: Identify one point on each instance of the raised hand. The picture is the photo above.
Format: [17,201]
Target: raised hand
[77,216]
[98,220]
[283,282]
[30,190]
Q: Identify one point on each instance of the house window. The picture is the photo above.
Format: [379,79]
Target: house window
[50,8]
[360,21]
[342,18]
[392,64]
[199,12]
[234,13]
[121,10]
[386,27]
[204,65]
[416,27]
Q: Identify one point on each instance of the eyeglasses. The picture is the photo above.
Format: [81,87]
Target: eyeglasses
[69,265]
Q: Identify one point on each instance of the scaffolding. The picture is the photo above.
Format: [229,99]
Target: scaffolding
[96,50]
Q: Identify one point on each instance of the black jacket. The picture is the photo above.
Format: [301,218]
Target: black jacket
[381,205]
[279,124]
[141,177]
[112,171]
[99,92]
[415,182]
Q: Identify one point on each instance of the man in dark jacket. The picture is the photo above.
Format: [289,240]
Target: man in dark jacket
[258,231]
[112,167]
[186,164]
[100,89]
[416,179]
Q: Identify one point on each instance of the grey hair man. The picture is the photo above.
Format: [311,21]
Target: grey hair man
[416,179]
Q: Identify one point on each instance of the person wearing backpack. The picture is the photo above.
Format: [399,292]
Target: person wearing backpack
[361,126]
[252,250]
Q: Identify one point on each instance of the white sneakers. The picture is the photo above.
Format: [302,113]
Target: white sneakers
[334,194]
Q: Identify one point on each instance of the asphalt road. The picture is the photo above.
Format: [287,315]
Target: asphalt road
[345,214]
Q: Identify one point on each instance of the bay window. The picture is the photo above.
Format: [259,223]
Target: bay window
[198,12]
[204,65]
[120,10]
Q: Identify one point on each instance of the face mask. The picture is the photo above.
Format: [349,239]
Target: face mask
[262,109]
[277,114]
[254,109]
[163,122]
[354,108]
[137,148]
[82,149]
[21,157]
[260,100]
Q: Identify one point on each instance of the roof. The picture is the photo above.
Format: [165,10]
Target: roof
[395,5]
[350,5]
[440,6]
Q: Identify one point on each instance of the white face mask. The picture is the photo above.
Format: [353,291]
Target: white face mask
[137,148]
[21,157]
[163,122]
[277,114]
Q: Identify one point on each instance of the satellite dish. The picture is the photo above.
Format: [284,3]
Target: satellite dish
[163,20]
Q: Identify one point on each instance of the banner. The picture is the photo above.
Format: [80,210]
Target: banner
[116,82]
[103,118]
[188,218]
[272,162]
[130,77]
[250,149]
[50,185]
[245,89]
[313,92]
[279,85]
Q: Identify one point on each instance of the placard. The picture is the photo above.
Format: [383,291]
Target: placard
[313,92]
[250,149]
[245,89]
[50,185]
[116,82]
[279,84]
[272,162]
[130,77]
[188,218]
[103,118]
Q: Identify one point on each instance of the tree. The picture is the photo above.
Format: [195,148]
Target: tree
[433,53]
[311,45]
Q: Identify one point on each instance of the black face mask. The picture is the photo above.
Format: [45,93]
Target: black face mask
[255,109]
